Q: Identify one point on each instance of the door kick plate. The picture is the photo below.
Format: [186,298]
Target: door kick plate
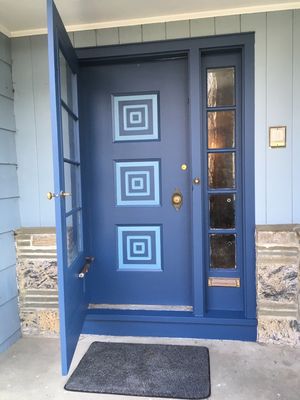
[224,282]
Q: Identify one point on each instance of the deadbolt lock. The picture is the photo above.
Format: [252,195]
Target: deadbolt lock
[177,199]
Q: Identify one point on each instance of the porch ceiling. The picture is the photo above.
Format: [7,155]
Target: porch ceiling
[28,17]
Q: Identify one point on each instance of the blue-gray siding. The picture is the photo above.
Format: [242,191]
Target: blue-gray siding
[9,212]
[277,102]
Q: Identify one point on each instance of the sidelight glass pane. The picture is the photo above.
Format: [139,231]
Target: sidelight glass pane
[72,185]
[220,87]
[74,236]
[222,251]
[69,136]
[221,170]
[67,79]
[221,129]
[222,211]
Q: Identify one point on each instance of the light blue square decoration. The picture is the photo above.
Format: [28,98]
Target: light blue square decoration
[137,183]
[135,117]
[139,248]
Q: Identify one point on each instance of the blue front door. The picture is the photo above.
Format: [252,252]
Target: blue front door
[135,117]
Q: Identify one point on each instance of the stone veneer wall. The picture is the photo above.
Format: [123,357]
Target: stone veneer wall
[278,282]
[37,281]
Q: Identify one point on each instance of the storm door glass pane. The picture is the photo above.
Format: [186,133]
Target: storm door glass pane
[72,185]
[220,87]
[67,79]
[221,129]
[70,142]
[222,251]
[222,211]
[221,170]
[74,236]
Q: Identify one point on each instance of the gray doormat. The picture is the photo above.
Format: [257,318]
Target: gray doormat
[150,370]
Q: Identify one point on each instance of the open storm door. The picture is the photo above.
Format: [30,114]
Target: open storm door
[63,68]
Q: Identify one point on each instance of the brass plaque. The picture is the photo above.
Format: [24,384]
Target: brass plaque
[224,282]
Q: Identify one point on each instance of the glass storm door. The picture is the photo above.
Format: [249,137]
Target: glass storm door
[71,255]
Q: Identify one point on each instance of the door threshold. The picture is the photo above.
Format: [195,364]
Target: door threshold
[141,307]
[168,323]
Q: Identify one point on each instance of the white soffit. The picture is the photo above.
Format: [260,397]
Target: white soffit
[28,17]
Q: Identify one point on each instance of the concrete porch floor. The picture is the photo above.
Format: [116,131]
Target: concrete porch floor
[239,370]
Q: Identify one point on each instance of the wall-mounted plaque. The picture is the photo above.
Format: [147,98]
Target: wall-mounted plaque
[277,136]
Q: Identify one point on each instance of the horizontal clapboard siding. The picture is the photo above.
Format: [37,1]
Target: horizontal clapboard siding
[277,98]
[9,211]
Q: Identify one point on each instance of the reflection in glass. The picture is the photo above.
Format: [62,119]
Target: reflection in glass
[222,211]
[66,82]
[74,236]
[220,87]
[72,185]
[221,170]
[222,251]
[69,136]
[221,129]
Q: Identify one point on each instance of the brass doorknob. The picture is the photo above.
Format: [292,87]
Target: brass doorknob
[177,199]
[51,195]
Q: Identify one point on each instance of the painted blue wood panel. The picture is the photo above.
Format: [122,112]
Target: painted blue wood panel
[7,250]
[8,181]
[10,217]
[258,23]
[40,86]
[279,112]
[296,118]
[26,141]
[9,312]
[6,88]
[8,286]
[5,48]
[7,120]
[8,153]
[85,38]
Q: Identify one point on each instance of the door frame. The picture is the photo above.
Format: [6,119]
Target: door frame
[192,48]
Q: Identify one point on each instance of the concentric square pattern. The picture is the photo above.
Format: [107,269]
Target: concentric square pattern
[135,117]
[139,247]
[137,183]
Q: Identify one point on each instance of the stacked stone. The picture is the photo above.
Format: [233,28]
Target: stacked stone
[278,288]
[37,281]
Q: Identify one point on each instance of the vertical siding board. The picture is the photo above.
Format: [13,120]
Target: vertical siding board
[228,24]
[7,120]
[296,117]
[279,112]
[5,49]
[178,29]
[7,249]
[9,312]
[130,34]
[5,80]
[153,32]
[26,132]
[257,23]
[8,286]
[43,128]
[107,36]
[7,147]
[85,38]
[10,217]
[203,27]
[8,181]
